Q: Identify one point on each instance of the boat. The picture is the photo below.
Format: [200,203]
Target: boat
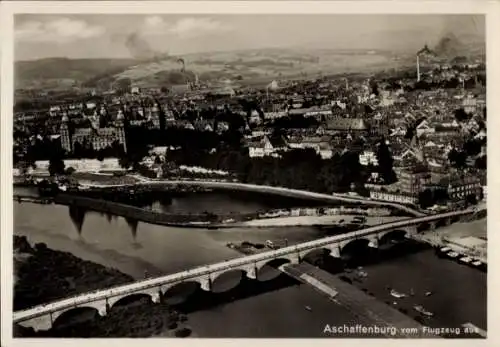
[362,274]
[452,254]
[423,311]
[445,249]
[397,295]
[308,308]
[466,260]
[428,293]
[477,263]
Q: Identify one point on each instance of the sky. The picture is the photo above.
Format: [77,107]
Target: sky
[108,36]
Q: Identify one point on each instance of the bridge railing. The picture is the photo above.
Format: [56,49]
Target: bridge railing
[207,269]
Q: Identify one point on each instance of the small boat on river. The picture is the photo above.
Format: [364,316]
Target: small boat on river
[397,294]
[452,255]
[423,311]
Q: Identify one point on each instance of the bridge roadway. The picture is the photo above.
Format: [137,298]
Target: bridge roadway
[270,189]
[42,316]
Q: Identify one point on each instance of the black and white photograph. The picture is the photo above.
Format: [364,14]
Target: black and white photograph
[246,175]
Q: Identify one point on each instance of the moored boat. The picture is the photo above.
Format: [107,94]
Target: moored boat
[423,311]
[452,254]
[397,294]
[477,263]
[466,260]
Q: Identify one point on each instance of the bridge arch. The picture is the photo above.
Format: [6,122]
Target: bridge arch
[442,222]
[179,292]
[320,253]
[60,316]
[153,295]
[277,262]
[386,237]
[425,226]
[353,246]
[226,280]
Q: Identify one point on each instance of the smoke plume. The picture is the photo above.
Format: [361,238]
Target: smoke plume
[449,45]
[426,51]
[140,49]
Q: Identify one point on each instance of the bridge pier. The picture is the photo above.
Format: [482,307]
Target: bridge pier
[334,251]
[38,323]
[156,297]
[411,230]
[206,283]
[251,272]
[373,243]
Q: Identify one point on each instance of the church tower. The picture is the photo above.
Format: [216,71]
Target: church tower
[120,129]
[65,136]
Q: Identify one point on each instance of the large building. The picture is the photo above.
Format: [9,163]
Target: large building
[96,136]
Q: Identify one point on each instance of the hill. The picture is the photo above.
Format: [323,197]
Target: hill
[245,67]
[63,72]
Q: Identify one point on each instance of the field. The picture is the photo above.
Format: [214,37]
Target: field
[246,67]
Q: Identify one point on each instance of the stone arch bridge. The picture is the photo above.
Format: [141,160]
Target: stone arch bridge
[42,317]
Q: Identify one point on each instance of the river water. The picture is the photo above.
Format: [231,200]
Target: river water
[459,292]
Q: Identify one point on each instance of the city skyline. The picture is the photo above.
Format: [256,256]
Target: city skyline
[109,36]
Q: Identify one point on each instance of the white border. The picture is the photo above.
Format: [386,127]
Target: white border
[8,9]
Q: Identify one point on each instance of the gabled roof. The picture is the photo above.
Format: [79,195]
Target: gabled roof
[346,124]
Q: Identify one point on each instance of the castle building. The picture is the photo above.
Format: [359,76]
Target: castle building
[98,137]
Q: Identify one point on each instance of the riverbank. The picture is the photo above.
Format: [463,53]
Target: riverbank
[43,275]
[318,221]
[135,211]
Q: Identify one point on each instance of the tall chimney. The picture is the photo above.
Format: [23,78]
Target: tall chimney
[418,68]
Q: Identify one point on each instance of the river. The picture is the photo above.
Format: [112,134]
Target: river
[459,292]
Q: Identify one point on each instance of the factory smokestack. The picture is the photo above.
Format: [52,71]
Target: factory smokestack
[418,68]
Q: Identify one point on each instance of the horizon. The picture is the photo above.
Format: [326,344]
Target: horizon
[43,36]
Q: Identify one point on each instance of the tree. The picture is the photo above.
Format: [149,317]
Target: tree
[457,159]
[385,163]
[471,199]
[124,162]
[481,162]
[426,198]
[56,162]
[461,115]
[100,155]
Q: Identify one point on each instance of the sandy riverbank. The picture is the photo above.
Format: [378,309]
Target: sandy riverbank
[469,238]
[319,220]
